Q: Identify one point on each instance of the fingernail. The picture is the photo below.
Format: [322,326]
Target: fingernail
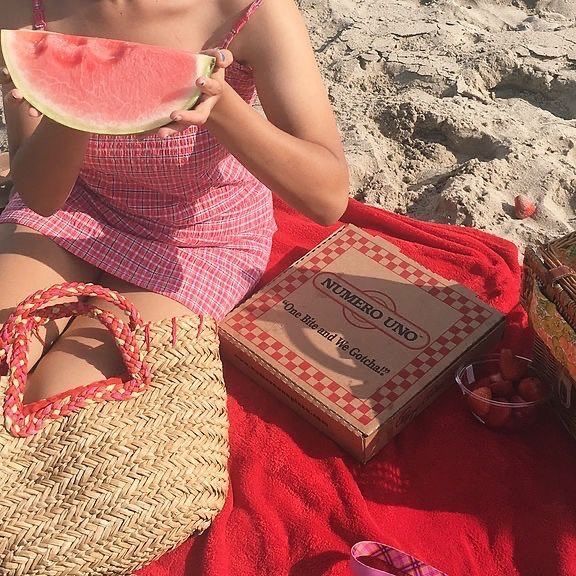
[177,118]
[201,81]
[222,56]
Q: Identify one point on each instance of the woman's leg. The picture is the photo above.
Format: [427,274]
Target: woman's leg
[31,262]
[86,352]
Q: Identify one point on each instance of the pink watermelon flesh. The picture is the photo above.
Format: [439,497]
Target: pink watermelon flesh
[100,85]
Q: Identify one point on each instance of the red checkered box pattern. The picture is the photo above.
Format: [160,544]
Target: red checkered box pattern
[362,410]
[397,264]
[347,240]
[301,368]
[320,260]
[296,276]
[275,294]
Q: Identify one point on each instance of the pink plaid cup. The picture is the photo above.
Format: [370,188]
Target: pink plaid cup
[400,563]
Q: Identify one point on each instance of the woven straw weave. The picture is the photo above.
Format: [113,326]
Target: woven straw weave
[549,297]
[112,477]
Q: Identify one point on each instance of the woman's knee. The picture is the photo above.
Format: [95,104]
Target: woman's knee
[151,306]
[85,353]
[23,249]
[30,262]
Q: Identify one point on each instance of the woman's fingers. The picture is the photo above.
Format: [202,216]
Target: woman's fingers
[211,89]
[223,57]
[6,81]
[5,77]
[197,116]
[183,119]
[17,95]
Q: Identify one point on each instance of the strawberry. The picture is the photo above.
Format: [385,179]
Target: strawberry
[531,389]
[500,386]
[479,401]
[483,382]
[512,367]
[524,207]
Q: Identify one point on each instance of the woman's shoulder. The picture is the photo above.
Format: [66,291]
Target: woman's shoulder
[234,6]
[261,21]
[265,11]
[240,7]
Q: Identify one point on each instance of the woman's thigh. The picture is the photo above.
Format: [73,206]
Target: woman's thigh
[29,262]
[86,352]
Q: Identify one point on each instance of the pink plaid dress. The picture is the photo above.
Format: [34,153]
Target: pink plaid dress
[178,216]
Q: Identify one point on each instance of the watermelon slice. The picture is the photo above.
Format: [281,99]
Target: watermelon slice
[100,85]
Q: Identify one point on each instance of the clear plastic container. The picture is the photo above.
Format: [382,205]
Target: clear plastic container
[499,402]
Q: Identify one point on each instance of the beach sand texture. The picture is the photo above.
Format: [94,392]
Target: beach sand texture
[450,108]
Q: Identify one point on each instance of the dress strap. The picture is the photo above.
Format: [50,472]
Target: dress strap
[38,20]
[241,22]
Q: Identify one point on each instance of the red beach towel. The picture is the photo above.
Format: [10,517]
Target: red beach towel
[467,500]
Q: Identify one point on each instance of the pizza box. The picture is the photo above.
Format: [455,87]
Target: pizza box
[358,338]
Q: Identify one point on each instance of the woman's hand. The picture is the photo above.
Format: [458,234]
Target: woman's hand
[211,90]
[13,97]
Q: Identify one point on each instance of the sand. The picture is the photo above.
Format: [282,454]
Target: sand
[450,108]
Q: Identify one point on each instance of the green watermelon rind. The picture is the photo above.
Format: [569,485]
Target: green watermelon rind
[45,108]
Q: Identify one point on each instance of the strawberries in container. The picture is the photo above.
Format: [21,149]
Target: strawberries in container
[479,401]
[503,390]
[512,367]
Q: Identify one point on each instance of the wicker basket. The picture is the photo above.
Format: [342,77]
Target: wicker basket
[549,297]
[104,479]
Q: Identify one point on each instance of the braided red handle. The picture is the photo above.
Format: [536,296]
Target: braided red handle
[76,289]
[36,311]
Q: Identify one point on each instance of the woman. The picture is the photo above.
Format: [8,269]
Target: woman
[177,220]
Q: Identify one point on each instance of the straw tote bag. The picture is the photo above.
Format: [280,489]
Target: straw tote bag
[111,476]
